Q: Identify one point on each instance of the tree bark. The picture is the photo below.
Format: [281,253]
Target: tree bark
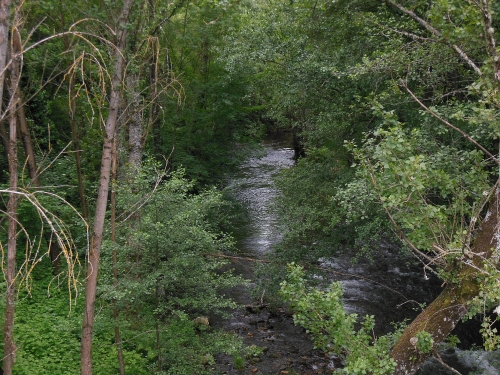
[135,124]
[10,271]
[4,40]
[442,315]
[102,194]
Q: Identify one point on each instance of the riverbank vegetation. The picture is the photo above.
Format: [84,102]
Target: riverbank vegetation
[119,118]
[395,109]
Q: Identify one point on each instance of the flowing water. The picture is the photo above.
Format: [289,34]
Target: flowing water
[287,349]
[391,288]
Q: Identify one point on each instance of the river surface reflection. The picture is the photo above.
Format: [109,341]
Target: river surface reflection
[253,186]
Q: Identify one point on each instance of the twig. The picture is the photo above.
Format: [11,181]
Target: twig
[438,357]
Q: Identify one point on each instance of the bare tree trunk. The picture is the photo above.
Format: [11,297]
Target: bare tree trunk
[10,272]
[102,195]
[442,315]
[9,347]
[4,44]
[4,40]
[135,124]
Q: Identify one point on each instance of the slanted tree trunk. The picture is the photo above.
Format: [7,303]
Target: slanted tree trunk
[443,314]
[10,271]
[102,194]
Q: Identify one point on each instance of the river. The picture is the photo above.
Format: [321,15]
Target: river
[392,288]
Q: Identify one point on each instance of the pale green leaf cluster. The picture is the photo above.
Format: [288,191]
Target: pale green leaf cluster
[323,315]
[432,190]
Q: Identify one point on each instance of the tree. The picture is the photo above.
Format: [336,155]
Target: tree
[10,273]
[102,197]
[73,53]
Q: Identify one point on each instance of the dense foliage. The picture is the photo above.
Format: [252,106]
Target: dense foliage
[393,110]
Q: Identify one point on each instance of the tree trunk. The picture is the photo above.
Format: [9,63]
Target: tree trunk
[4,40]
[442,315]
[9,347]
[102,194]
[134,124]
[10,272]
[26,140]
